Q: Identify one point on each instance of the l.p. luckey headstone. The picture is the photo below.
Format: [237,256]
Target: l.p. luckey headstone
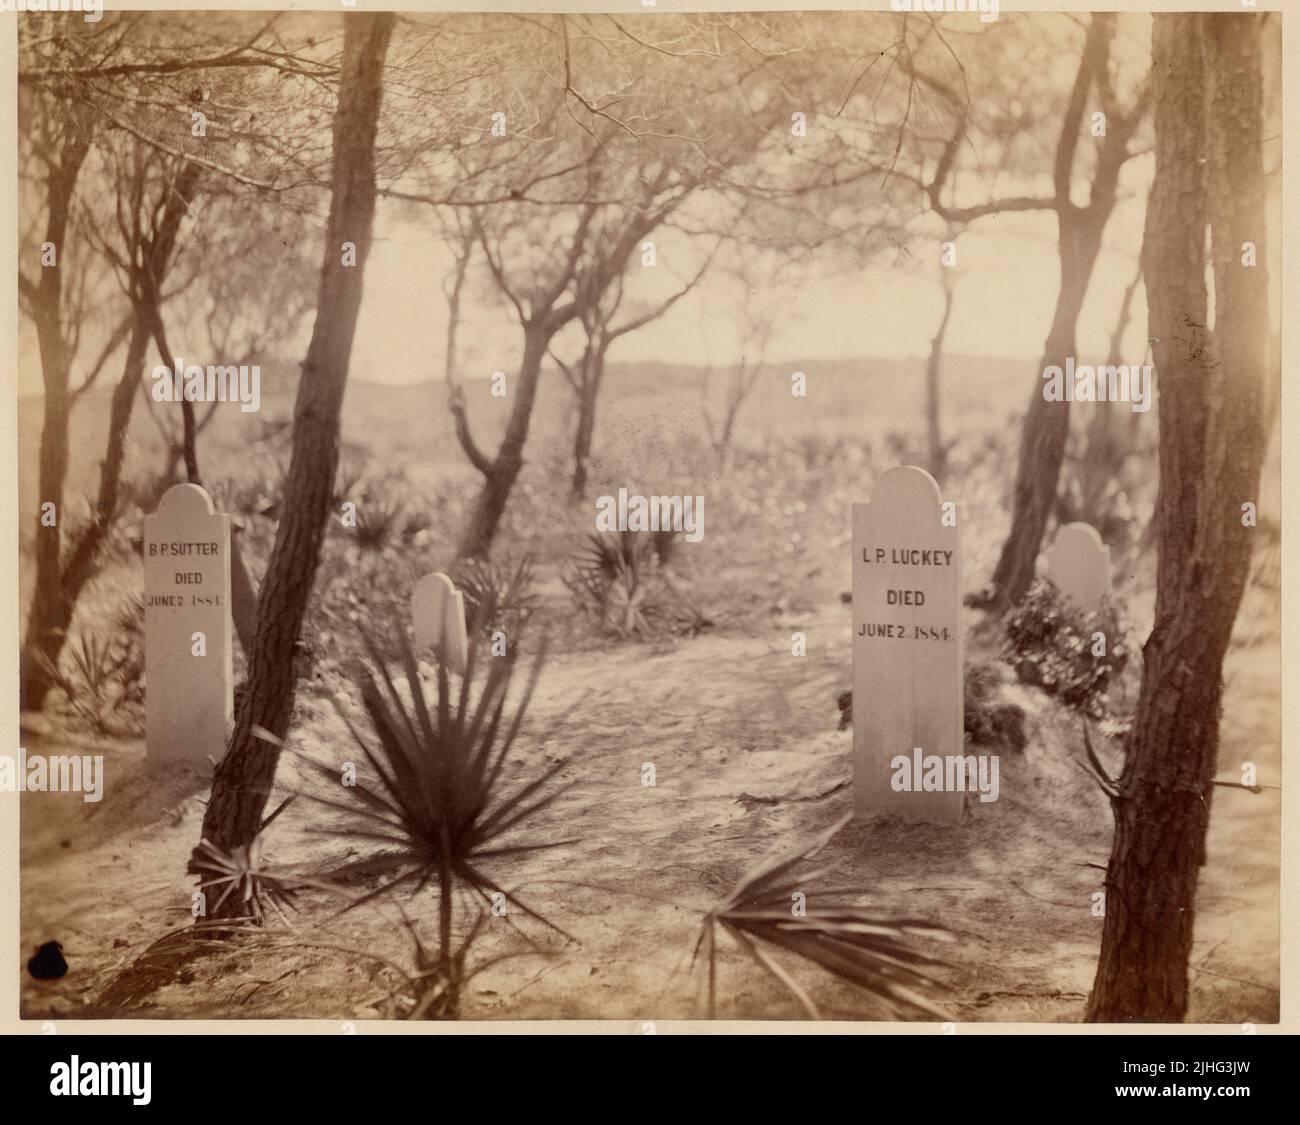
[438,620]
[907,651]
[1079,565]
[189,698]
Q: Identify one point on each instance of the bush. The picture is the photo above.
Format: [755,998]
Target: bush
[436,799]
[503,585]
[985,721]
[1050,645]
[101,680]
[618,580]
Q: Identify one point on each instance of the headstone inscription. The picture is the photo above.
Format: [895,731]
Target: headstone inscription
[438,617]
[189,696]
[1079,565]
[907,649]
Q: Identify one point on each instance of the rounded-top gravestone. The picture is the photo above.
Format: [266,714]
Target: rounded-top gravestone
[189,699]
[907,674]
[1079,566]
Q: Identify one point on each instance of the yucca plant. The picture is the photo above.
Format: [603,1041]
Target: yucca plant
[436,804]
[93,684]
[380,522]
[506,586]
[615,578]
[244,872]
[874,954]
[600,560]
[349,474]
[627,605]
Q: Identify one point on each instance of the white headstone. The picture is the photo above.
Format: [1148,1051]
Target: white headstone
[438,617]
[189,696]
[907,650]
[1079,565]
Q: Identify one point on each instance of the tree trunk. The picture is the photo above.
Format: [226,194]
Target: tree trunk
[500,476]
[938,450]
[243,779]
[80,564]
[76,569]
[1110,437]
[1211,447]
[48,616]
[589,376]
[1047,424]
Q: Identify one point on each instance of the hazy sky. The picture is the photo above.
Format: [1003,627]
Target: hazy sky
[1007,277]
[1006,283]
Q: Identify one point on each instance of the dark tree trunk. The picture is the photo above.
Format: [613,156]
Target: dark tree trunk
[243,779]
[80,564]
[500,475]
[1211,446]
[76,569]
[588,392]
[1047,424]
[48,616]
[1111,436]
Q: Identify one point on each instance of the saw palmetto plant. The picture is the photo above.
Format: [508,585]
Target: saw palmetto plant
[243,872]
[435,799]
[619,580]
[775,913]
[98,678]
[509,587]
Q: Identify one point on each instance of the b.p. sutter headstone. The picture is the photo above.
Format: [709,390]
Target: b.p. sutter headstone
[189,697]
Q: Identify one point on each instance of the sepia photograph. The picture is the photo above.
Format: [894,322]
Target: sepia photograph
[625,513]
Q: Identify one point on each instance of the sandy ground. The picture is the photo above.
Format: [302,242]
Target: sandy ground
[747,760]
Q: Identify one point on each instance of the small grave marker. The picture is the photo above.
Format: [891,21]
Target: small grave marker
[907,651]
[438,617]
[1079,565]
[189,696]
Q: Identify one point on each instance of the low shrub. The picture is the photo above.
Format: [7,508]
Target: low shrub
[1054,645]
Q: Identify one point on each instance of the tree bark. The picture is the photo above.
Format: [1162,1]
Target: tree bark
[243,779]
[77,567]
[503,470]
[1211,448]
[590,373]
[47,617]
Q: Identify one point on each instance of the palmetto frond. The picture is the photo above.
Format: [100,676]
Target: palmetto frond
[434,800]
[870,952]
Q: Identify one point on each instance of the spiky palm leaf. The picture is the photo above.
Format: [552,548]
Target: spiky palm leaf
[509,588]
[95,667]
[242,871]
[435,804]
[379,522]
[871,953]
[602,559]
